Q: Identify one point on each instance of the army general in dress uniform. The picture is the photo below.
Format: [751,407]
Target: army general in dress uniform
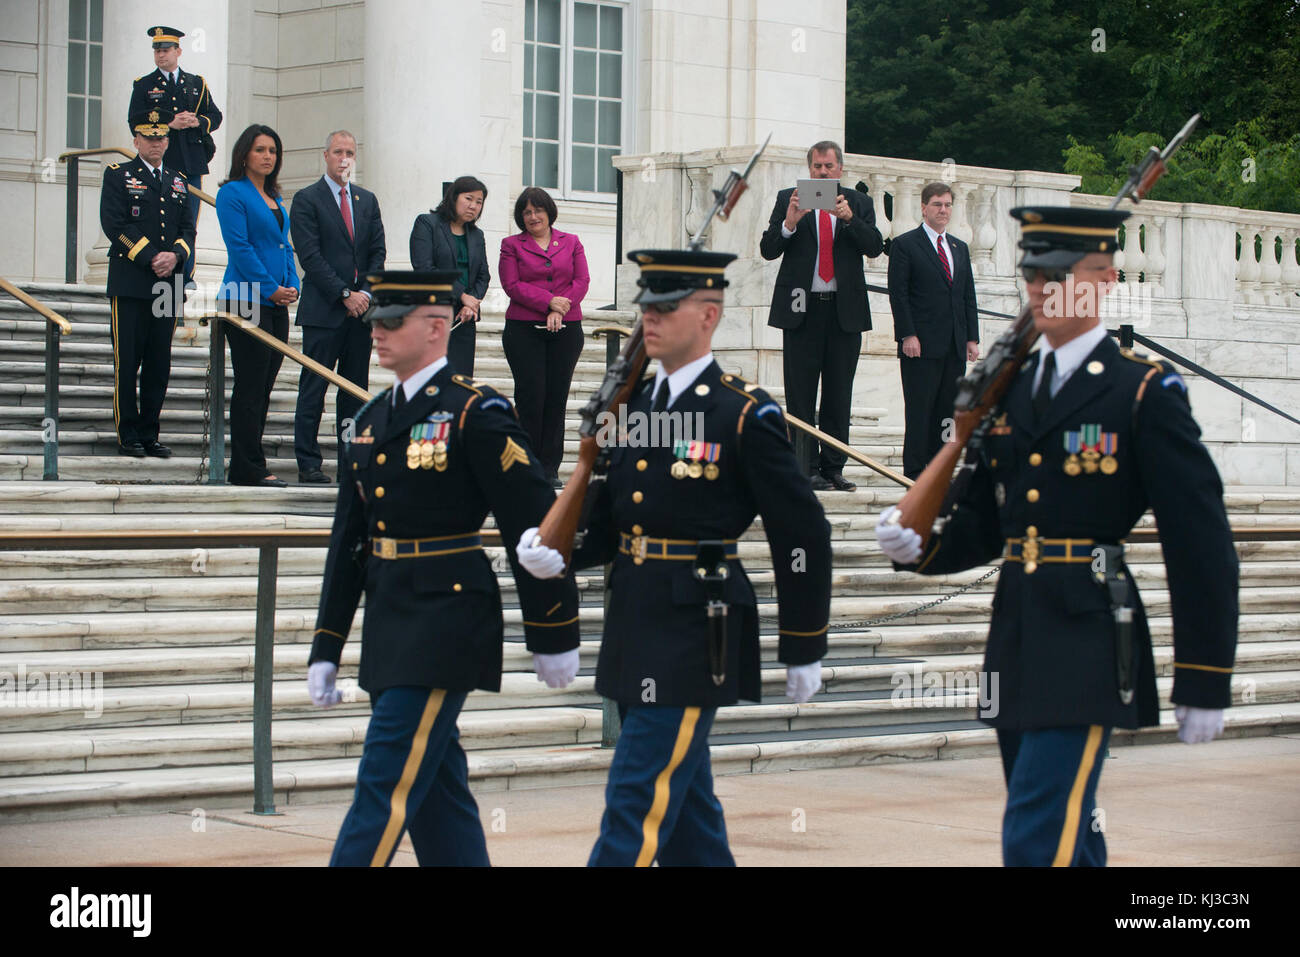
[188,101]
[144,214]
[1086,439]
[682,633]
[427,461]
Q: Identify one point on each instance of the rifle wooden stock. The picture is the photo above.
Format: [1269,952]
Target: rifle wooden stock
[560,525]
[980,392]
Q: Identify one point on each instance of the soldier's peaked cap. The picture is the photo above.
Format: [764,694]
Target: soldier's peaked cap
[165,35]
[397,291]
[151,122]
[1059,236]
[670,274]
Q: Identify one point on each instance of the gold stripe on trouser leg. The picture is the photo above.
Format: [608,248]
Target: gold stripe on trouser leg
[659,806]
[117,365]
[1074,806]
[397,803]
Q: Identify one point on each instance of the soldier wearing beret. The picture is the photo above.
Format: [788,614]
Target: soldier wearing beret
[681,632]
[188,101]
[429,458]
[144,214]
[1087,438]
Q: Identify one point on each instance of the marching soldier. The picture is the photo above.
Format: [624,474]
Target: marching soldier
[428,459]
[1086,439]
[144,214]
[194,117]
[681,633]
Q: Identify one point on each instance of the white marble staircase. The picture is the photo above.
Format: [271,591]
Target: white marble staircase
[170,636]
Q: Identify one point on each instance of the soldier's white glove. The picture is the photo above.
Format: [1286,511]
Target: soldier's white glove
[320,684]
[802,681]
[558,671]
[1198,725]
[899,544]
[536,559]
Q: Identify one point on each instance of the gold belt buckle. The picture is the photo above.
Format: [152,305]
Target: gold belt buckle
[637,547]
[1029,550]
[387,547]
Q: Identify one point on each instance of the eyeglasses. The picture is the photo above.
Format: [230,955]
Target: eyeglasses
[1049,275]
[391,323]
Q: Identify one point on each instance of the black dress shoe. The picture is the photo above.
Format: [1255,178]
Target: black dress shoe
[133,449]
[313,477]
[819,484]
[156,449]
[838,481]
[269,482]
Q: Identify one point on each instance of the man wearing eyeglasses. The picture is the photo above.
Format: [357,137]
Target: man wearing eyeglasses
[1085,440]
[681,631]
[429,458]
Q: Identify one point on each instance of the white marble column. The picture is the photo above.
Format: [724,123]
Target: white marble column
[439,114]
[128,54]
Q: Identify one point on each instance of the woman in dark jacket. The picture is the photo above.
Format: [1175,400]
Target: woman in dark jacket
[449,238]
[260,283]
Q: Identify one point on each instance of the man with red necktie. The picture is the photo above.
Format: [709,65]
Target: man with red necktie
[932,295]
[820,304]
[339,237]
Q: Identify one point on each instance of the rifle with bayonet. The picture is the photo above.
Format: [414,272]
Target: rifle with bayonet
[926,505]
[559,528]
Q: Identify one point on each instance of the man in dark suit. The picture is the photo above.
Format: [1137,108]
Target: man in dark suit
[339,236]
[932,295]
[194,116]
[820,303]
[429,459]
[143,212]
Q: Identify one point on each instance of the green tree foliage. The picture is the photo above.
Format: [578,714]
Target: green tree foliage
[1085,86]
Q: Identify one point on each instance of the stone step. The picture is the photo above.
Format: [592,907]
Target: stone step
[99,705]
[59,796]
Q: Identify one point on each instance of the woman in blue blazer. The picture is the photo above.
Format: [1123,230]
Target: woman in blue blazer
[260,283]
[449,238]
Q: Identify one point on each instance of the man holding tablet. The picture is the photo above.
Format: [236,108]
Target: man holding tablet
[820,300]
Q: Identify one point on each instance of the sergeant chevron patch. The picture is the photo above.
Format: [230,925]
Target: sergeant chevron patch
[511,454]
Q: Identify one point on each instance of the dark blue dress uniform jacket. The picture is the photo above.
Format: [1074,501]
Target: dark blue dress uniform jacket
[142,219]
[435,621]
[655,647]
[1052,638]
[186,149]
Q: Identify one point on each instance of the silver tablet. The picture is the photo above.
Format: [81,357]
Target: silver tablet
[817,193]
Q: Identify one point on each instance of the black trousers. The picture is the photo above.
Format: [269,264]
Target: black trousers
[820,349]
[460,348]
[542,365]
[348,346]
[929,392]
[142,346]
[255,367]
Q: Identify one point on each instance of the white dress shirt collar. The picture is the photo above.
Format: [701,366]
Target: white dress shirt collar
[683,377]
[1068,356]
[932,234]
[415,382]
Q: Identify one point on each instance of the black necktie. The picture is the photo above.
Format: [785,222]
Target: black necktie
[399,401]
[660,403]
[1043,397]
[157,176]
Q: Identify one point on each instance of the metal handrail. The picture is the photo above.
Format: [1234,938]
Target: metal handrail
[217,381]
[50,423]
[268,542]
[73,159]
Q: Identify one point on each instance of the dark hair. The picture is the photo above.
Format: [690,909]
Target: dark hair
[244,146]
[930,190]
[538,198]
[462,184]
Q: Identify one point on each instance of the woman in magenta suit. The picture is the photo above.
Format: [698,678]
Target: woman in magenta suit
[544,272]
